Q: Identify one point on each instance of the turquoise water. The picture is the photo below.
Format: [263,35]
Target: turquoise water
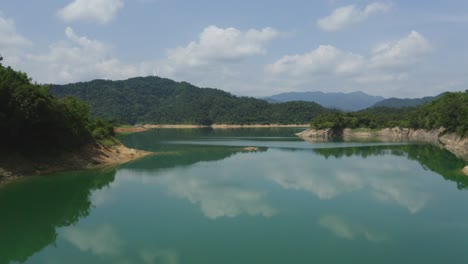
[202,199]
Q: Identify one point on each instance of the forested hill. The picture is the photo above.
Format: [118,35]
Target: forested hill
[449,111]
[406,102]
[163,101]
[32,119]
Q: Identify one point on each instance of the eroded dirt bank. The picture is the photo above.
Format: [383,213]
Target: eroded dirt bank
[16,166]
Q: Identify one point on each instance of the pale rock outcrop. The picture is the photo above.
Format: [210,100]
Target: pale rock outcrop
[440,137]
[465,170]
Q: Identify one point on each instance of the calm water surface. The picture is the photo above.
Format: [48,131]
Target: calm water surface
[205,200]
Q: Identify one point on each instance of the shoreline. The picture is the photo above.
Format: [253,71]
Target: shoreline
[223,126]
[91,156]
[146,127]
[440,137]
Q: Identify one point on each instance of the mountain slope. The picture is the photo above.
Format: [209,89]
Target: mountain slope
[406,102]
[343,101]
[163,101]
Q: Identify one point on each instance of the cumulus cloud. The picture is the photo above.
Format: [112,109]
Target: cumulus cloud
[11,42]
[100,11]
[213,59]
[78,58]
[325,59]
[216,58]
[386,62]
[347,15]
[222,45]
[8,35]
[402,52]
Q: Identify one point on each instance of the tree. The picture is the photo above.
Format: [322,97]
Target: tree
[32,119]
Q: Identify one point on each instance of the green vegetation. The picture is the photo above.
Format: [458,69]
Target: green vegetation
[373,118]
[32,119]
[406,102]
[163,101]
[449,111]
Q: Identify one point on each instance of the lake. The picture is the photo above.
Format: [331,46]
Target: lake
[204,199]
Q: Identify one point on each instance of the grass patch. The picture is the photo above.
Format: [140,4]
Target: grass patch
[108,142]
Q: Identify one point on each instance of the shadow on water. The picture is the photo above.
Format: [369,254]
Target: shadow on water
[430,157]
[28,222]
[187,155]
[156,139]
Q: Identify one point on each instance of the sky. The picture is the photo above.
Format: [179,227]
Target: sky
[254,48]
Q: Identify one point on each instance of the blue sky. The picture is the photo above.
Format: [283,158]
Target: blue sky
[255,48]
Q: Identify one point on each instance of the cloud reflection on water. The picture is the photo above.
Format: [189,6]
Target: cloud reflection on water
[105,242]
[218,193]
[101,240]
[350,231]
[236,185]
[330,178]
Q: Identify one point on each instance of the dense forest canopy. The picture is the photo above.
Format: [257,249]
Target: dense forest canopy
[449,111]
[406,102]
[163,101]
[31,118]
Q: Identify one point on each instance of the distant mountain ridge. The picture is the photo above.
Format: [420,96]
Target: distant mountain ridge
[343,101]
[158,100]
[406,102]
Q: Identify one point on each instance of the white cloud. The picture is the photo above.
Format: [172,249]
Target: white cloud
[387,62]
[78,58]
[11,42]
[222,45]
[8,35]
[211,60]
[402,52]
[100,11]
[324,60]
[217,58]
[347,15]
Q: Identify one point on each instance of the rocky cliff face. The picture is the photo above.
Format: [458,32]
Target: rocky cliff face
[455,144]
[317,133]
[450,141]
